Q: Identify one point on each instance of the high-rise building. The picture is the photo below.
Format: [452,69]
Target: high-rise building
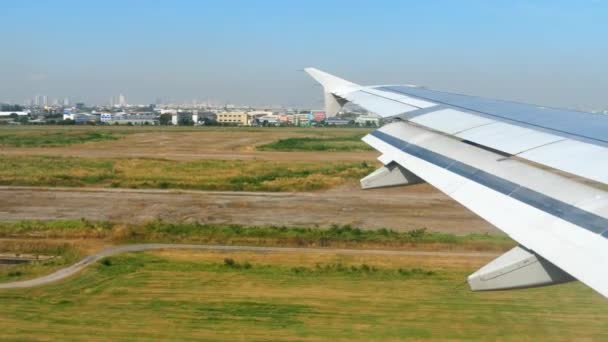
[122,101]
[36,101]
[66,102]
[45,101]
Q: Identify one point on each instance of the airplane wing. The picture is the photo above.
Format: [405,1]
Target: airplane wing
[539,174]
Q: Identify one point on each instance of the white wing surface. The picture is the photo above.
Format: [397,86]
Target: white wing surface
[478,152]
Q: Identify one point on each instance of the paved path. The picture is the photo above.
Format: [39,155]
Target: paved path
[77,267]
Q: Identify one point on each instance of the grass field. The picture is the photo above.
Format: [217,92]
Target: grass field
[163,174]
[63,254]
[69,240]
[54,137]
[212,296]
[289,138]
[297,297]
[351,143]
[232,234]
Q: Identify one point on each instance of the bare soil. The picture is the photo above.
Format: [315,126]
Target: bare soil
[396,208]
[400,208]
[193,145]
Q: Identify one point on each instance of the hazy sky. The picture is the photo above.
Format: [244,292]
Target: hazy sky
[545,52]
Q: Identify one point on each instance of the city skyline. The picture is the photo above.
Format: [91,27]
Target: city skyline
[545,52]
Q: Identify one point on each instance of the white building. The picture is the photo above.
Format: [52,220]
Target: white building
[168,111]
[81,117]
[367,120]
[128,119]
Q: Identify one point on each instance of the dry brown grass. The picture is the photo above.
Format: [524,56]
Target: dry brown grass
[225,175]
[328,257]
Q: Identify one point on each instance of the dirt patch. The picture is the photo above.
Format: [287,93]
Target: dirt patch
[229,144]
[403,208]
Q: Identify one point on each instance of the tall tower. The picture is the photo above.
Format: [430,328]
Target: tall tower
[122,101]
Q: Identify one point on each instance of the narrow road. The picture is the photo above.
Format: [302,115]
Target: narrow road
[77,267]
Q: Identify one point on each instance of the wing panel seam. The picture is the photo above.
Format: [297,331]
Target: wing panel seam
[520,123]
[552,206]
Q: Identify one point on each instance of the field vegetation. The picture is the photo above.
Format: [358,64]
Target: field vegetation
[54,138]
[60,254]
[231,234]
[68,240]
[228,175]
[348,143]
[304,297]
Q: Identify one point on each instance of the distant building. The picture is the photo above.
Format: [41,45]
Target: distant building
[261,117]
[129,119]
[168,111]
[122,101]
[334,121]
[318,115]
[207,117]
[272,120]
[367,120]
[298,119]
[105,117]
[82,118]
[233,118]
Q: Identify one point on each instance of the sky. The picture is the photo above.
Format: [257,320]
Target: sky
[252,52]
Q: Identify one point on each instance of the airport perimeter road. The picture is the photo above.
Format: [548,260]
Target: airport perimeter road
[402,208]
[77,267]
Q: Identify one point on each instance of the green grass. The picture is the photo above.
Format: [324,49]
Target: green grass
[53,138]
[351,143]
[63,239]
[152,296]
[228,175]
[335,236]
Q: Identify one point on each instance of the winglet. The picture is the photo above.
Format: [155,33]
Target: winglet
[332,87]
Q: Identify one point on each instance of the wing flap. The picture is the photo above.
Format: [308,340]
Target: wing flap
[451,121]
[575,157]
[508,138]
[535,215]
